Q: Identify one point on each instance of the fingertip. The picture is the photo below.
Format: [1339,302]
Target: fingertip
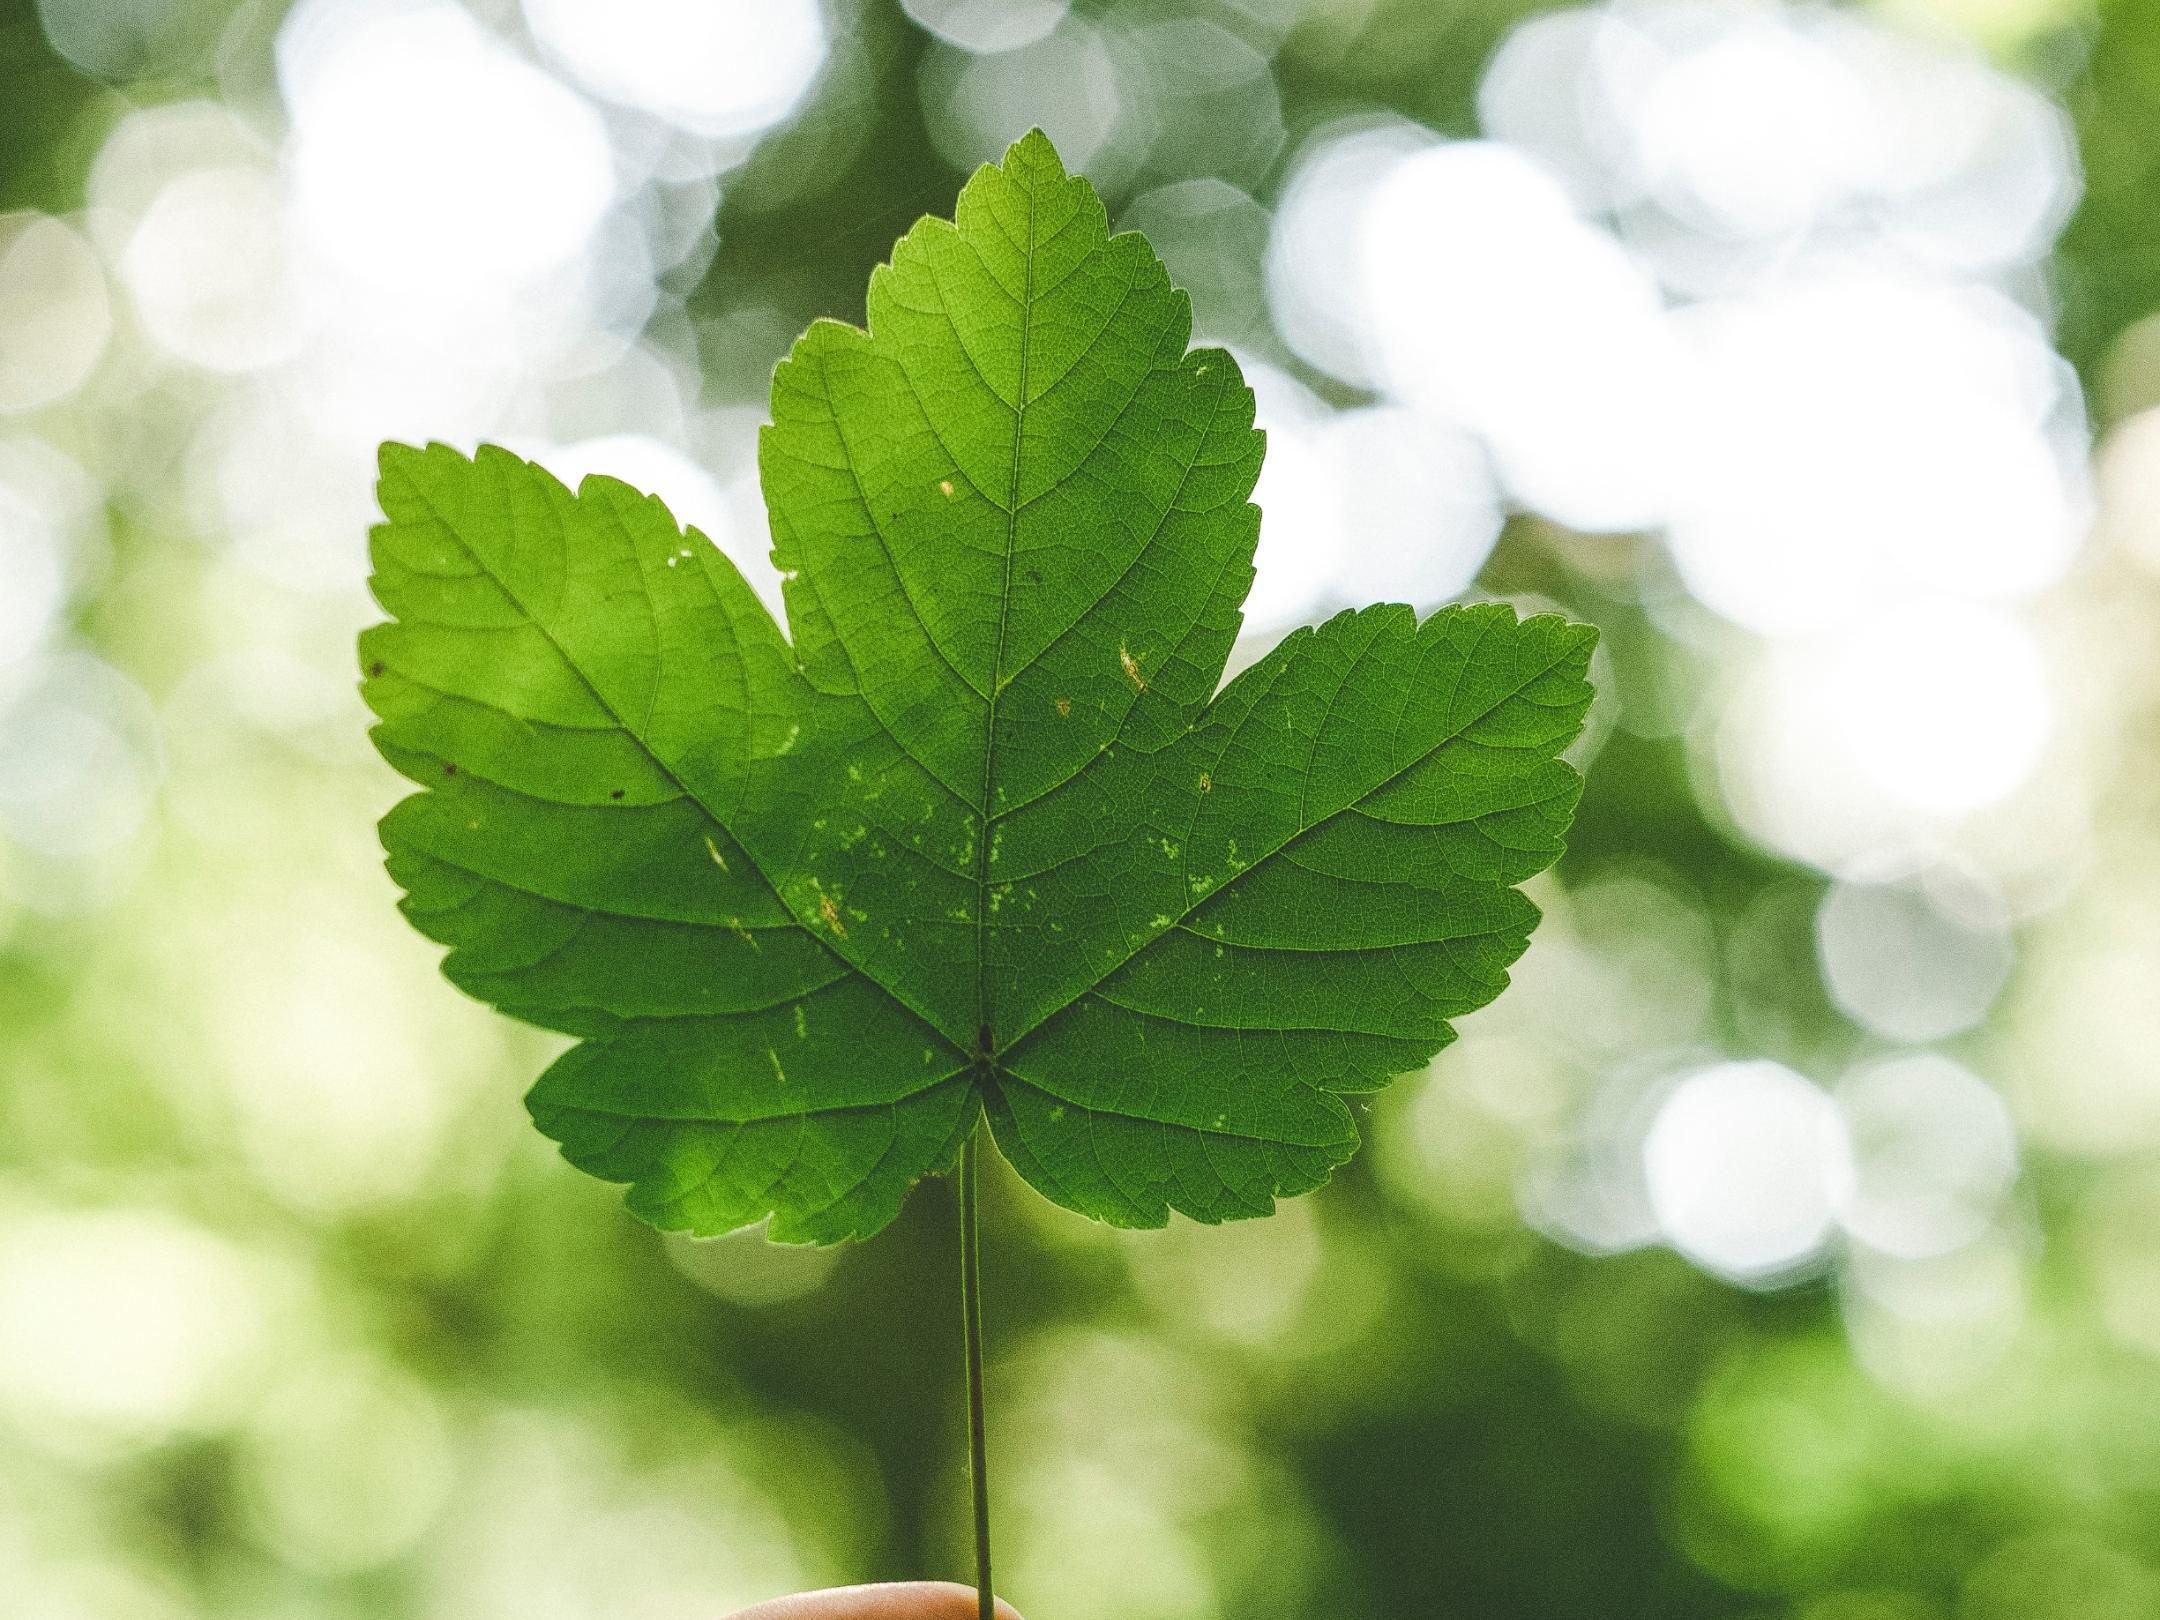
[904,1600]
[952,1601]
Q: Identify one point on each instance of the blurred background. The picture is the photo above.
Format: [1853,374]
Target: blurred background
[1785,1246]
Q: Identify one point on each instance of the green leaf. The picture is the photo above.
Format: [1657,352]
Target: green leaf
[979,837]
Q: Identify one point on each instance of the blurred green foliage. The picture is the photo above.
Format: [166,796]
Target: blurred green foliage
[299,1319]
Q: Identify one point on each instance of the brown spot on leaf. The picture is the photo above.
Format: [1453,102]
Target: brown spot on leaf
[831,914]
[1132,669]
[1207,782]
[1064,706]
[449,770]
[375,668]
[618,793]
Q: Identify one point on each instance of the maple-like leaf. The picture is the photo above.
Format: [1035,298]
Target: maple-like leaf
[978,837]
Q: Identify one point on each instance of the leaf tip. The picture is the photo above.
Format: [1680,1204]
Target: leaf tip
[395,459]
[1035,151]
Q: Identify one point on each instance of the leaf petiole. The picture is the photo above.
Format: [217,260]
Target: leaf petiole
[971,1311]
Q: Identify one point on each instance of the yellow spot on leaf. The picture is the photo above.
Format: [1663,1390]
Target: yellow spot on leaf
[713,850]
[945,484]
[1207,782]
[1132,670]
[1064,707]
[831,913]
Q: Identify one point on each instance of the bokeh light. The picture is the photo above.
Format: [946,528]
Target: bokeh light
[987,25]
[1914,959]
[1213,237]
[1064,81]
[347,1466]
[713,70]
[207,268]
[1363,502]
[121,1325]
[55,314]
[1747,1164]
[1933,1154]
[490,172]
[1493,304]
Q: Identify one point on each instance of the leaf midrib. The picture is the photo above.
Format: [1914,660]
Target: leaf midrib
[985,1038]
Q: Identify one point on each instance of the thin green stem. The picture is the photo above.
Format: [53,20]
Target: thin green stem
[971,1309]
